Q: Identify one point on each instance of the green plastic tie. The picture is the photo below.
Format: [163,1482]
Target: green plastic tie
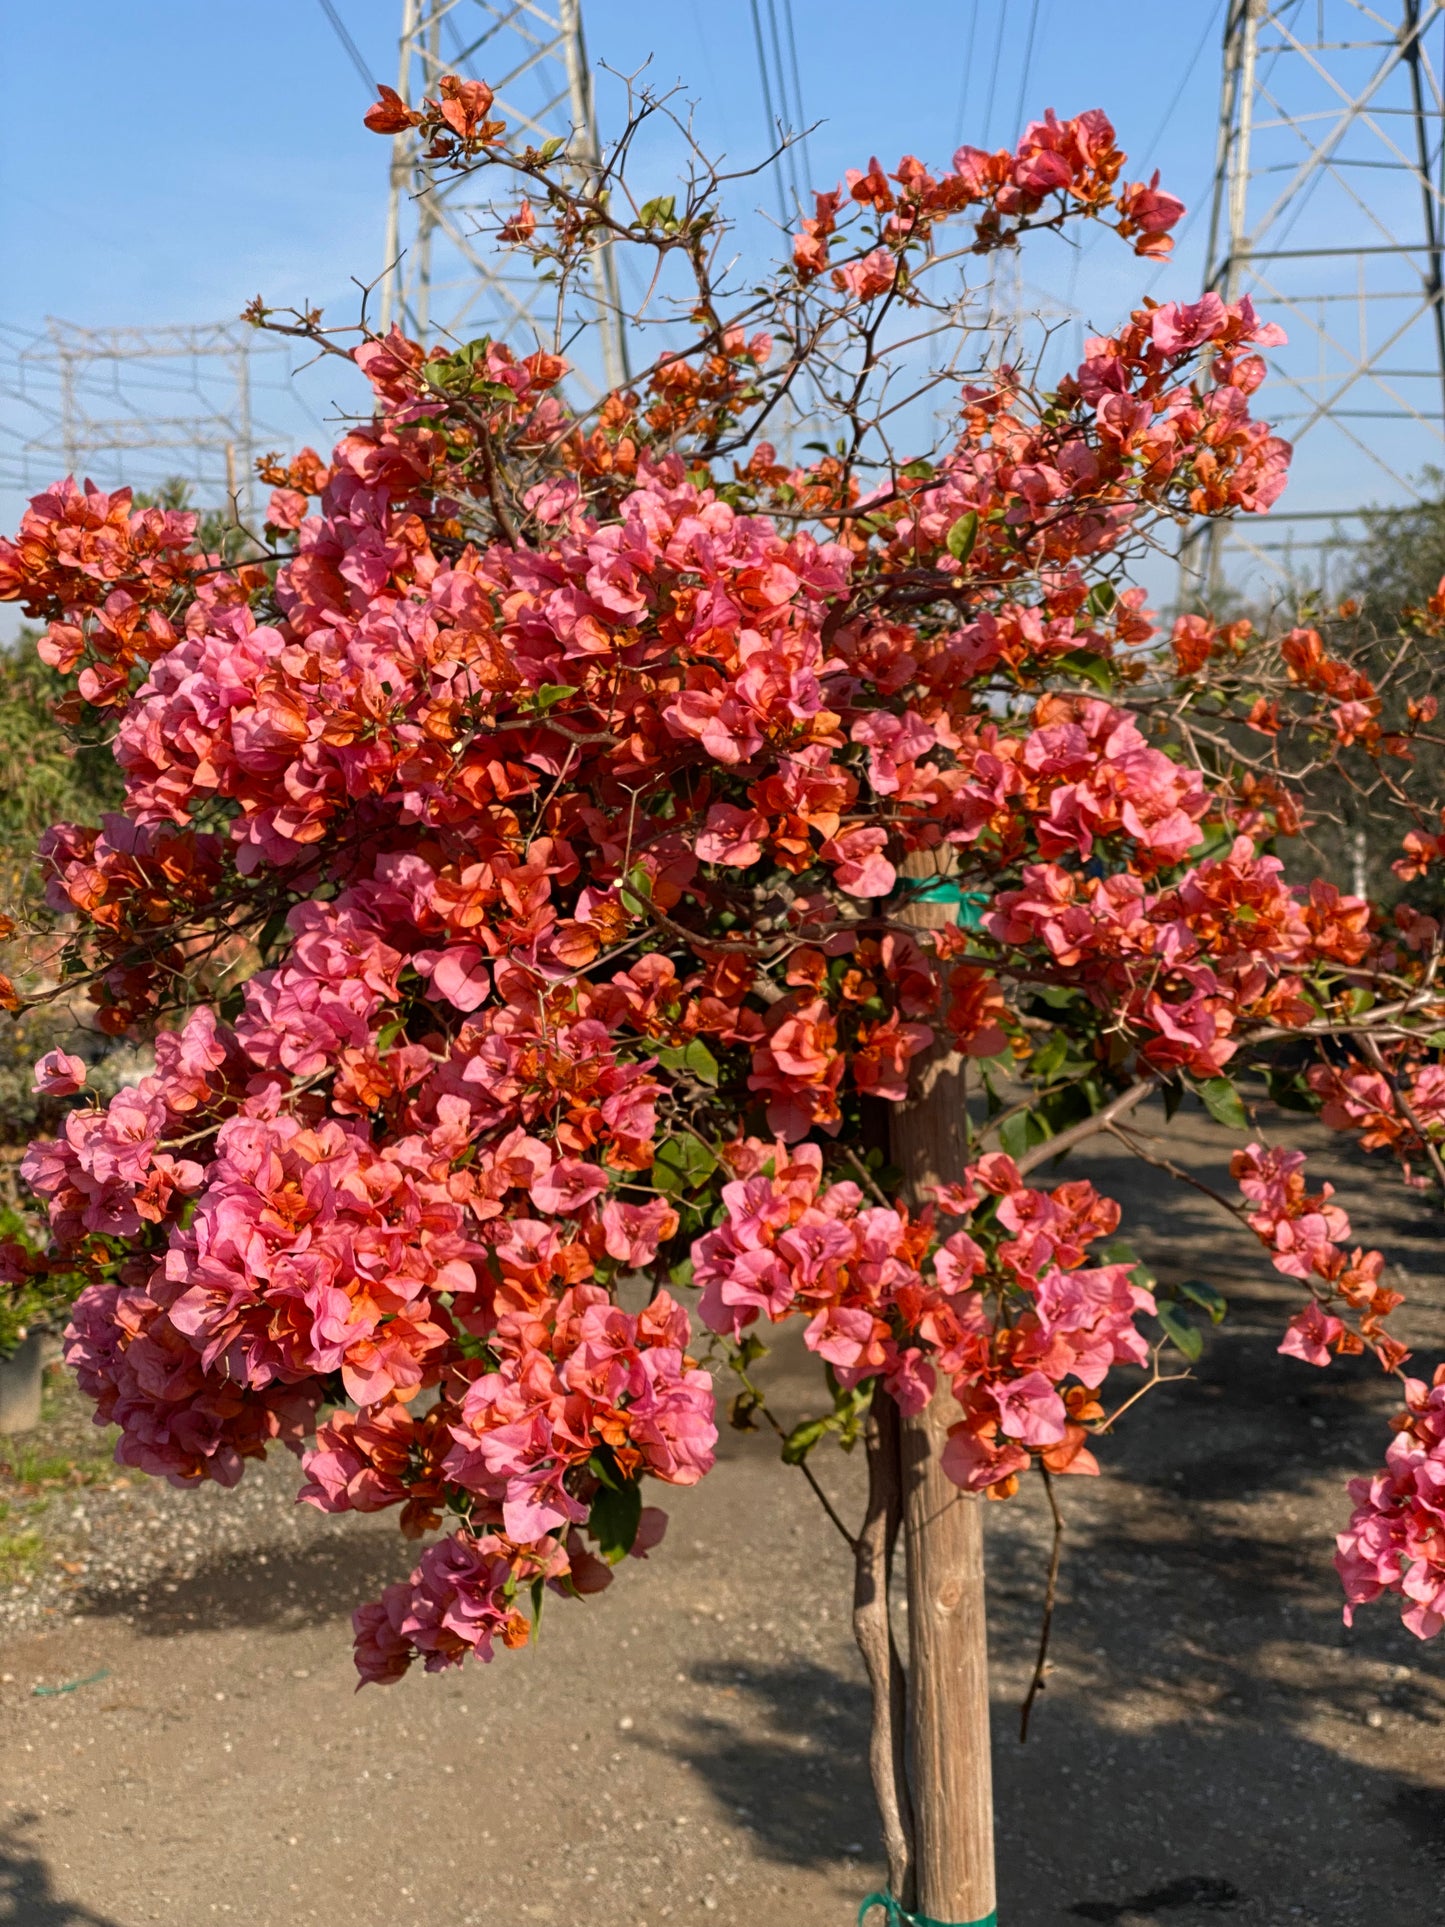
[70,1686]
[900,1916]
[973,903]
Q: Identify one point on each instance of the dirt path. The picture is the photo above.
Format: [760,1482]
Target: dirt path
[1213,1747]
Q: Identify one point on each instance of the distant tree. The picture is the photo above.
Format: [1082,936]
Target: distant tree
[46,773]
[1398,561]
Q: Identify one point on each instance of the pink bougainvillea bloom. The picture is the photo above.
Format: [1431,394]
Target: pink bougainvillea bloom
[59,1075]
[1310,1334]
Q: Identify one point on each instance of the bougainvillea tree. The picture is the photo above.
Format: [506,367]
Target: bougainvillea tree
[560,851]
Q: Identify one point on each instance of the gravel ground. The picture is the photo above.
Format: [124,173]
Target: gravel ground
[1214,1746]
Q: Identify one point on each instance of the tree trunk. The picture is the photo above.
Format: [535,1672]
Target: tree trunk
[949,1748]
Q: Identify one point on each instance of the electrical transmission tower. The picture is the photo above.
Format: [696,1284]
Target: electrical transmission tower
[1327,211]
[97,401]
[445,273]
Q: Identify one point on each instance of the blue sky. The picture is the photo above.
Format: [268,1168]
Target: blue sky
[165,160]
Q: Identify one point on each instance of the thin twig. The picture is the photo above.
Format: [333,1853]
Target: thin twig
[1156,1377]
[1131,1142]
[1036,1684]
[822,1497]
[1407,1109]
[1076,1133]
[494,485]
[867,1176]
[760,1404]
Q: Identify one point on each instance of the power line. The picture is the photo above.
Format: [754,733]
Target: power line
[354,53]
[1024,70]
[1184,80]
[964,91]
[1145,153]
[788,158]
[993,76]
[797,87]
[774,120]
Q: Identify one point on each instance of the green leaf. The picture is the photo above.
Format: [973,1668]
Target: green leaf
[1053,997]
[1022,1132]
[552,692]
[614,1518]
[1288,1089]
[1102,598]
[1206,1297]
[638,884]
[698,1059]
[1182,1335]
[963,535]
[918,471]
[272,931]
[682,1163]
[551,148]
[701,1160]
[1093,668]
[1048,1059]
[229,1007]
[1222,1101]
[1118,1251]
[660,212]
[667,1173]
[1069,1104]
[695,1058]
[740,1412]
[801,1440]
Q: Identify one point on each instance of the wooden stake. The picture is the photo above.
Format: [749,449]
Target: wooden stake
[872,1629]
[948,1698]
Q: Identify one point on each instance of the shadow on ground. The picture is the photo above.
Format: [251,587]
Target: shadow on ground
[1241,1819]
[27,1894]
[309,1585]
[803,1728]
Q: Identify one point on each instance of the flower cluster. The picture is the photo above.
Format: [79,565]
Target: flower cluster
[109,1175]
[540,831]
[103,574]
[1400,1107]
[1005,1311]
[1304,1232]
[1227,944]
[1072,164]
[585,1398]
[1395,1541]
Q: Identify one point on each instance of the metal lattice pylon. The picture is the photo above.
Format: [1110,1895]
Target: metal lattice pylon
[445,273]
[92,399]
[1328,211]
